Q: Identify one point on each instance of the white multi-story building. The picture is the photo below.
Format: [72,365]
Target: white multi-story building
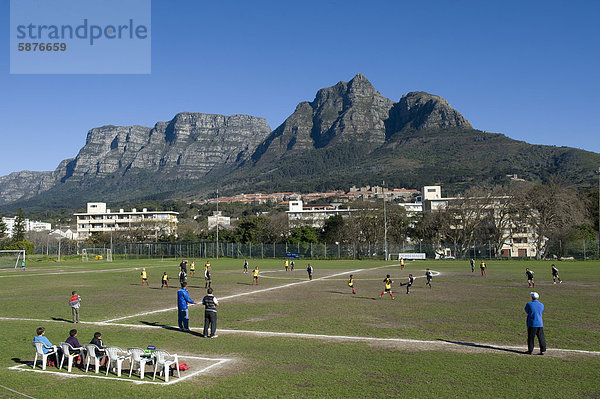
[313,215]
[30,225]
[223,221]
[99,219]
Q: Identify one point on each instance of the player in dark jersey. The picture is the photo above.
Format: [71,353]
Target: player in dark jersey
[388,287]
[429,276]
[409,283]
[207,278]
[309,270]
[245,267]
[472,265]
[529,274]
[555,275]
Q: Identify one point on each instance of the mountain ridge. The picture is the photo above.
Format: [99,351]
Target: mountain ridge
[348,134]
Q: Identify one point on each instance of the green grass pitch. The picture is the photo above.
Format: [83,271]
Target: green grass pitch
[290,337]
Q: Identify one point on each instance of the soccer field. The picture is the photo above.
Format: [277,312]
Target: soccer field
[292,337]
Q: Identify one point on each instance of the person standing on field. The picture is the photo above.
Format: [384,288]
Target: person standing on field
[555,275]
[535,324]
[210,313]
[309,270]
[401,263]
[429,276]
[482,267]
[472,265]
[183,313]
[75,303]
[351,283]
[529,274]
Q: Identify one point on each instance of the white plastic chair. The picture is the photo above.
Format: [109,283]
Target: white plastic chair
[160,361]
[112,352]
[69,352]
[91,354]
[39,351]
[137,356]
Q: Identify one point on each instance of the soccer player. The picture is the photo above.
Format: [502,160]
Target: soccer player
[555,275]
[255,276]
[181,277]
[529,274]
[409,283]
[472,265]
[388,287]
[286,264]
[144,277]
[165,281]
[193,268]
[482,267]
[207,265]
[183,265]
[245,266]
[351,283]
[401,263]
[309,270]
[292,265]
[429,276]
[207,279]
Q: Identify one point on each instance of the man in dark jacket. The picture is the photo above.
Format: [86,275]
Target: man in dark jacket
[535,324]
[210,313]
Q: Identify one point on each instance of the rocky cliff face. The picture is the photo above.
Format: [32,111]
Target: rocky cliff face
[191,145]
[418,110]
[347,112]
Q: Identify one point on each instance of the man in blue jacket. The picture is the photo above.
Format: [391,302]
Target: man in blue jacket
[535,324]
[183,314]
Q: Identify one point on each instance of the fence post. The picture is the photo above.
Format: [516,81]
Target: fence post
[311,253]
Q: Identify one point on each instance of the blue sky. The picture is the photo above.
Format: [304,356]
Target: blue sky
[530,70]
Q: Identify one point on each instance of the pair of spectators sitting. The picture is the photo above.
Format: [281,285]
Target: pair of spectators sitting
[71,340]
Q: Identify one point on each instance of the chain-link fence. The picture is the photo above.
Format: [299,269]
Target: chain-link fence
[582,249]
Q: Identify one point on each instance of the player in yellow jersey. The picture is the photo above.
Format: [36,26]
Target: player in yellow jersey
[482,267]
[286,264]
[401,263]
[351,283]
[193,269]
[207,265]
[144,277]
[388,287]
[165,281]
[255,276]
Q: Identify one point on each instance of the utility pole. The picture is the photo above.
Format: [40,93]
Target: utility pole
[599,212]
[385,246]
[217,223]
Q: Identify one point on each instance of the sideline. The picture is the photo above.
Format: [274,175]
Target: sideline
[473,345]
[18,393]
[25,274]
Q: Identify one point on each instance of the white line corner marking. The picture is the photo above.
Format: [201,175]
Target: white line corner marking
[27,367]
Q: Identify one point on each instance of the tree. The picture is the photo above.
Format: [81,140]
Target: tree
[551,210]
[18,233]
[2,228]
[334,231]
[304,234]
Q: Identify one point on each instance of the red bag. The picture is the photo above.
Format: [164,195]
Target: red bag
[183,366]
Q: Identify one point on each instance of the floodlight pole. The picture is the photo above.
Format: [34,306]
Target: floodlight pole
[217,223]
[385,246]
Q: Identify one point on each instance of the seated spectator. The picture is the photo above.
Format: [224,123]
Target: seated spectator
[42,338]
[97,340]
[74,342]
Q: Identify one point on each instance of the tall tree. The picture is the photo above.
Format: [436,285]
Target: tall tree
[18,233]
[2,227]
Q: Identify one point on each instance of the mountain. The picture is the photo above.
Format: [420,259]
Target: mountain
[349,134]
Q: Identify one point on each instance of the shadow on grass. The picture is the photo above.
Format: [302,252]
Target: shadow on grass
[473,345]
[18,360]
[61,319]
[171,328]
[244,283]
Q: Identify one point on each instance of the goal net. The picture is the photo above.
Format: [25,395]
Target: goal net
[104,254]
[12,258]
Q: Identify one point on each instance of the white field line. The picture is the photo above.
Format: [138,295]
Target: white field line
[18,393]
[244,293]
[326,337]
[174,380]
[433,272]
[25,274]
